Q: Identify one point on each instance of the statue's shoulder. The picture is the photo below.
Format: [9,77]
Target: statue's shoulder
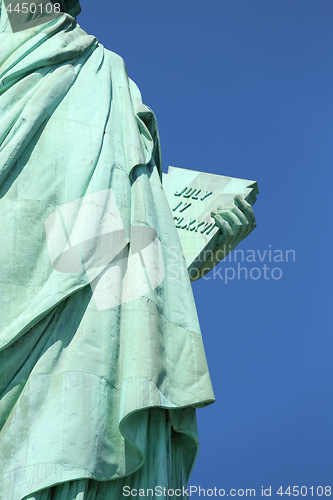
[115,58]
[116,66]
[115,61]
[120,76]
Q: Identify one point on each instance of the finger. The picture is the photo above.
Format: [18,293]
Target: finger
[246,208]
[227,236]
[222,224]
[238,213]
[246,228]
[232,219]
[235,210]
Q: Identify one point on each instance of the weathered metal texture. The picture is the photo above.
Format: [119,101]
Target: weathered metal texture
[90,346]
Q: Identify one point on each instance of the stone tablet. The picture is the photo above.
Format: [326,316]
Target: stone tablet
[192,195]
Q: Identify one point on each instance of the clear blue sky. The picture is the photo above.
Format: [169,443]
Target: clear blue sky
[244,88]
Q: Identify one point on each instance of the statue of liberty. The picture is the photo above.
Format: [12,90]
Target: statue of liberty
[102,364]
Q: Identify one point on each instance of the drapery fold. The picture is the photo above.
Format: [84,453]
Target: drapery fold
[86,351]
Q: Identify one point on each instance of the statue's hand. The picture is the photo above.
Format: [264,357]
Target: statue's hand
[235,222]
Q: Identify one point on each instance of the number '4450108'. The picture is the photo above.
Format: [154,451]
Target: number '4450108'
[304,491]
[49,8]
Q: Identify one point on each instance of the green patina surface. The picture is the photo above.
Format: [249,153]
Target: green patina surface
[97,381]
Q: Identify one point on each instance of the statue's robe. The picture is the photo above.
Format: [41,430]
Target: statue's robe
[92,398]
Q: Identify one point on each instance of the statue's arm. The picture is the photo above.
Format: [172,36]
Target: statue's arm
[235,223]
